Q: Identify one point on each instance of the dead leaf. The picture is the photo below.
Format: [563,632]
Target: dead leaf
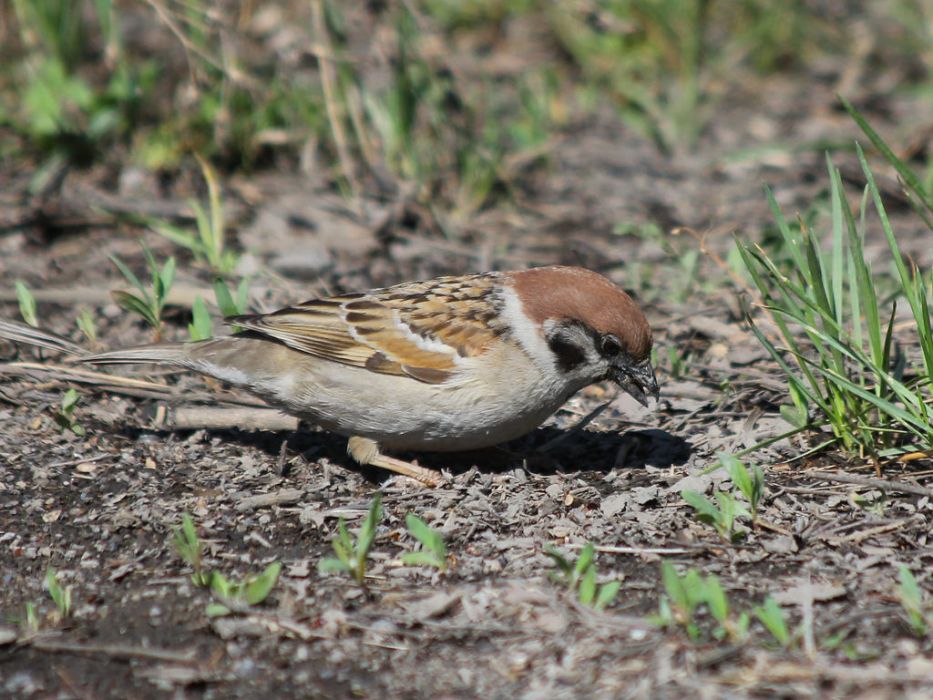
[614,504]
[434,605]
[818,592]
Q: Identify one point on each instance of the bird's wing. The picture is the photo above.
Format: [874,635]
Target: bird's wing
[422,330]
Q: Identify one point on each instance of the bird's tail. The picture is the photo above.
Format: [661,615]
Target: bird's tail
[162,354]
[21,333]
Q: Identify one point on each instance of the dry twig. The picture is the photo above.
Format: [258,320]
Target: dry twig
[868,482]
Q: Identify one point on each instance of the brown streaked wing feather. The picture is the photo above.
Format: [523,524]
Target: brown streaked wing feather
[461,312]
[393,330]
[315,328]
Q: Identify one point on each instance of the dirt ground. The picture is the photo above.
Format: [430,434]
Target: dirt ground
[99,508]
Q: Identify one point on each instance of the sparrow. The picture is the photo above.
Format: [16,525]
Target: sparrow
[447,364]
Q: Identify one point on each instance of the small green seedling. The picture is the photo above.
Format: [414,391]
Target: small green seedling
[208,244]
[870,503]
[147,304]
[721,517]
[678,362]
[235,596]
[229,304]
[728,509]
[85,321]
[27,304]
[61,595]
[433,552]
[186,542]
[684,594]
[750,483]
[911,599]
[201,327]
[570,572]
[728,626]
[797,412]
[682,600]
[30,621]
[771,616]
[580,576]
[64,417]
[351,555]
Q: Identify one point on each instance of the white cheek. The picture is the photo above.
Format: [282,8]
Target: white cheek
[527,332]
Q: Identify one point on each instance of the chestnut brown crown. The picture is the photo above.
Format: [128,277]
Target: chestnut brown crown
[577,294]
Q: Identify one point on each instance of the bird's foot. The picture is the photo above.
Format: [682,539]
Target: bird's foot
[366,451]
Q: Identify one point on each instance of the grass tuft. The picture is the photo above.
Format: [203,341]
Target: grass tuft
[835,341]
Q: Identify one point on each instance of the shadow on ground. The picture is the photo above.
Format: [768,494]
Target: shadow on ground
[545,451]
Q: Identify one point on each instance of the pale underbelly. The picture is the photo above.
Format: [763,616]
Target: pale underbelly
[397,412]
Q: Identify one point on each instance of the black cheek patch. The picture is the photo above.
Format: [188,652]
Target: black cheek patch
[569,356]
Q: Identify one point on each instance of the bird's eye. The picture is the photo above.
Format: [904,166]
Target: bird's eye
[609,345]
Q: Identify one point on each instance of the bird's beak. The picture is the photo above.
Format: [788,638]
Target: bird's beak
[638,381]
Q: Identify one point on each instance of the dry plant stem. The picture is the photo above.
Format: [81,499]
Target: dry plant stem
[82,376]
[70,684]
[276,624]
[861,535]
[210,418]
[115,384]
[328,84]
[883,484]
[806,613]
[614,549]
[282,497]
[724,266]
[189,47]
[113,650]
[355,108]
[714,256]
[428,477]
[765,525]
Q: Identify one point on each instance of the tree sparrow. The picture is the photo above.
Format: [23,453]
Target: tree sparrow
[452,363]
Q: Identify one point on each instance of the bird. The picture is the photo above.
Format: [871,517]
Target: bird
[447,364]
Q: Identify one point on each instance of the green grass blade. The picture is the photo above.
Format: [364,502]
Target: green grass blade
[674,586]
[837,197]
[910,179]
[27,304]
[259,588]
[129,275]
[420,558]
[368,530]
[135,305]
[607,594]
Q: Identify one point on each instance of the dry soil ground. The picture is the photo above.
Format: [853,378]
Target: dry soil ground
[100,507]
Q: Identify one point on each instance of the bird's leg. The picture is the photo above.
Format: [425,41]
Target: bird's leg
[366,451]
